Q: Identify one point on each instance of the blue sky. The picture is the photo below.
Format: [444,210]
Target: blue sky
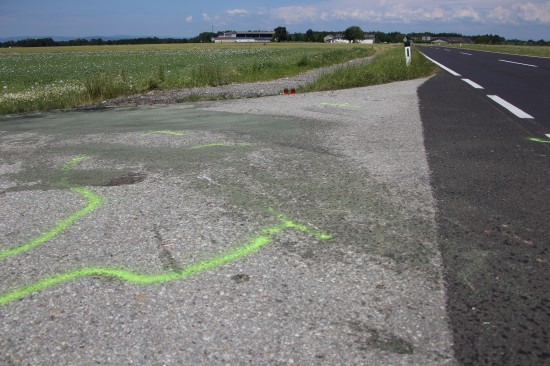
[77,18]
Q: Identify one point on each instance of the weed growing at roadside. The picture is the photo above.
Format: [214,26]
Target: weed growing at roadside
[155,81]
[387,67]
[304,61]
[104,86]
[210,74]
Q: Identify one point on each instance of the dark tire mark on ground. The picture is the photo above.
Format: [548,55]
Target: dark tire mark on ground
[368,338]
[169,262]
[125,179]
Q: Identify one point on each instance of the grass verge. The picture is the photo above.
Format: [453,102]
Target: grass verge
[104,86]
[389,66]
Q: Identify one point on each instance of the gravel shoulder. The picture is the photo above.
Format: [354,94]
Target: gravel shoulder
[184,184]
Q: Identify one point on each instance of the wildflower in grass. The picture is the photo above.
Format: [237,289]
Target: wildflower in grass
[28,77]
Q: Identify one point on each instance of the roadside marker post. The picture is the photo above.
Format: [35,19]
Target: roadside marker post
[407,44]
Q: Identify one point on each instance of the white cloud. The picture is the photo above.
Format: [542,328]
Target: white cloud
[466,13]
[403,13]
[521,13]
[532,12]
[408,11]
[241,12]
[385,11]
[220,21]
[189,19]
[356,14]
[502,15]
[295,14]
[435,14]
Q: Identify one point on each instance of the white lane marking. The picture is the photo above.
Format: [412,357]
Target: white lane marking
[472,83]
[467,54]
[447,50]
[518,63]
[443,67]
[548,135]
[511,54]
[512,108]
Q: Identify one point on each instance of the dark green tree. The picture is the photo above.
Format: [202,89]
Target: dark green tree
[204,37]
[310,36]
[354,33]
[281,35]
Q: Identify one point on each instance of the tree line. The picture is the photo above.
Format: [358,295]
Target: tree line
[281,35]
[50,42]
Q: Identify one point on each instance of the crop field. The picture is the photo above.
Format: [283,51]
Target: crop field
[60,77]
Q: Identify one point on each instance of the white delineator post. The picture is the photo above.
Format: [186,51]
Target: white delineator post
[407,51]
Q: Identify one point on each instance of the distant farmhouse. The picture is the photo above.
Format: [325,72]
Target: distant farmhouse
[339,38]
[447,40]
[235,37]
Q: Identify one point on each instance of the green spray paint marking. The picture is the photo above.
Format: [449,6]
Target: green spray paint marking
[68,166]
[265,237]
[93,201]
[217,144]
[536,139]
[164,132]
[341,105]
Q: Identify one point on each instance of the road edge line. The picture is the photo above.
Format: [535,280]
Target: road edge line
[510,107]
[442,66]
[473,84]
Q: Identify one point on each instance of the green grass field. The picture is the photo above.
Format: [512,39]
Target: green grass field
[60,77]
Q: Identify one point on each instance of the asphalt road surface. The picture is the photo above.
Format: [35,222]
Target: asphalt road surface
[491,181]
[490,174]
[522,81]
[296,229]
